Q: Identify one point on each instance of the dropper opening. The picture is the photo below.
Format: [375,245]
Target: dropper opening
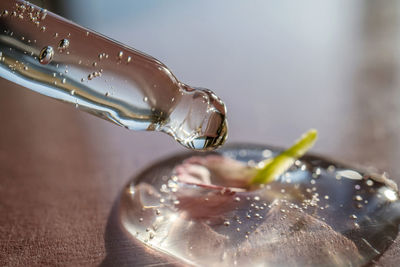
[198,121]
[210,141]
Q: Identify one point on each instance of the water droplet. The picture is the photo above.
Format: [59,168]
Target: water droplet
[72,92]
[94,64]
[120,54]
[237,199]
[107,94]
[353,217]
[227,223]
[331,168]
[46,55]
[145,99]
[87,33]
[63,45]
[43,14]
[64,81]
[90,76]
[43,29]
[358,198]
[140,219]
[267,153]
[129,59]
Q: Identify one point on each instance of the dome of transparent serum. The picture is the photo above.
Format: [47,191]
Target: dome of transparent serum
[55,57]
[318,213]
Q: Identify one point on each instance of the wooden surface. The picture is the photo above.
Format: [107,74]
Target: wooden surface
[281,69]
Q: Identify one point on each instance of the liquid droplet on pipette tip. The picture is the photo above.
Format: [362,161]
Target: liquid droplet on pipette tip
[208,129]
[209,140]
[46,55]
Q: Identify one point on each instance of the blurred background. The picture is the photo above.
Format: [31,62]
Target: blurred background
[281,67]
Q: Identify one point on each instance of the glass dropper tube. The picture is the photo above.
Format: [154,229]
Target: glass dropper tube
[58,58]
